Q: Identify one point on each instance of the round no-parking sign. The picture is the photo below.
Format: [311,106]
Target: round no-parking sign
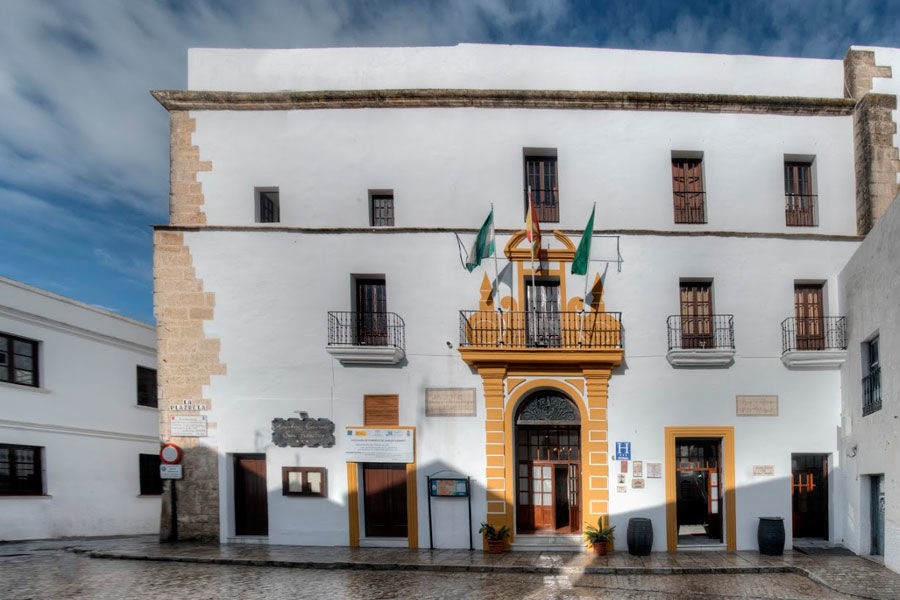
[170,454]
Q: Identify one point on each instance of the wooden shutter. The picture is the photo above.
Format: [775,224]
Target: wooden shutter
[809,311]
[541,177]
[799,199]
[687,186]
[371,306]
[696,315]
[381,411]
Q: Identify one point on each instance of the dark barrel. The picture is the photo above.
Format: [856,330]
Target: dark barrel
[770,535]
[640,536]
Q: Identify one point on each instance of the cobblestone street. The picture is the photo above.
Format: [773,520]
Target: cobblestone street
[38,571]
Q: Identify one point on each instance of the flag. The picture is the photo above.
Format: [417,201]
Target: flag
[583,254]
[484,243]
[532,226]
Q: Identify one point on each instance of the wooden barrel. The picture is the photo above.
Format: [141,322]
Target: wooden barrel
[640,536]
[770,535]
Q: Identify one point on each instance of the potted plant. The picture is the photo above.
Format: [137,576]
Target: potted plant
[599,537]
[496,538]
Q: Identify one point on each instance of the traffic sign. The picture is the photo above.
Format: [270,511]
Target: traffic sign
[170,454]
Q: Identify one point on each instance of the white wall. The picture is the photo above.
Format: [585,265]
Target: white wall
[273,291]
[84,415]
[447,165]
[870,286]
[485,66]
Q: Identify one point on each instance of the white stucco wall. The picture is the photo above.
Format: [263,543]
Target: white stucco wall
[446,166]
[84,415]
[486,66]
[273,291]
[870,286]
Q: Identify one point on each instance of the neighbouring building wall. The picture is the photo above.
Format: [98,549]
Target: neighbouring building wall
[869,287]
[83,415]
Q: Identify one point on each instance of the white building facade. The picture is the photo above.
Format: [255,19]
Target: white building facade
[311,269]
[79,428]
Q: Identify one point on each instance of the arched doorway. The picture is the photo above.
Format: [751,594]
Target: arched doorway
[548,464]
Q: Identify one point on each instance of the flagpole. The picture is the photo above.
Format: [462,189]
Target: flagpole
[497,275]
[531,225]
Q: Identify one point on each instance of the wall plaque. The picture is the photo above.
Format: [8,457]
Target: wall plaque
[654,470]
[450,402]
[637,468]
[637,483]
[763,470]
[366,444]
[187,426]
[297,433]
[757,406]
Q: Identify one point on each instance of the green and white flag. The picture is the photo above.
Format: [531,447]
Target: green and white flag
[583,254]
[484,243]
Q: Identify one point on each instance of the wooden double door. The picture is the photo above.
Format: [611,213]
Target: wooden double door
[384,489]
[809,495]
[808,307]
[548,495]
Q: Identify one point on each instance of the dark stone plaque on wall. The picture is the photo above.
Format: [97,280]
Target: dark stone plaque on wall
[297,433]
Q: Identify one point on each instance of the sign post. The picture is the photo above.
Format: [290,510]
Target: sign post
[170,455]
[448,487]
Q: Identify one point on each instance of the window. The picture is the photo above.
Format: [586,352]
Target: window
[687,187]
[381,411]
[696,314]
[371,309]
[303,481]
[267,209]
[541,178]
[21,470]
[146,387]
[381,208]
[18,360]
[151,484]
[799,197]
[871,382]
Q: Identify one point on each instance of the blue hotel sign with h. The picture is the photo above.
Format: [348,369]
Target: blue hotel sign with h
[623,450]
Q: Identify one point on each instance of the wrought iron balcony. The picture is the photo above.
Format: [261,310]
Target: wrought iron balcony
[701,332]
[366,337]
[514,330]
[871,385]
[800,210]
[813,333]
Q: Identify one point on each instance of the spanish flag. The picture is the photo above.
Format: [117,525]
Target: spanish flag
[532,226]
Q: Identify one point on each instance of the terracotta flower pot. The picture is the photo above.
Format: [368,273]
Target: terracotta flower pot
[600,548]
[496,546]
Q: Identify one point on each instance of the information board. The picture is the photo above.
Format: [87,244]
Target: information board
[187,426]
[170,472]
[623,450]
[449,487]
[362,444]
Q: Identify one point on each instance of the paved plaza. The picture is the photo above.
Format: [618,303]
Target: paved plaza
[138,568]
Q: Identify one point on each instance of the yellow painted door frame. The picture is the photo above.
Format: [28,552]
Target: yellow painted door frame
[728,483]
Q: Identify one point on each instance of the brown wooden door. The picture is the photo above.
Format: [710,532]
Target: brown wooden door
[543,502]
[809,495]
[574,474]
[371,307]
[810,317]
[696,315]
[251,515]
[799,199]
[687,186]
[384,487]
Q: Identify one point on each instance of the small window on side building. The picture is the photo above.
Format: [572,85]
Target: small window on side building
[381,208]
[146,387]
[151,484]
[267,205]
[541,177]
[21,470]
[871,382]
[800,201]
[18,360]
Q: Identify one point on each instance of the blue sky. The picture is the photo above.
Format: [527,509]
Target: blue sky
[84,148]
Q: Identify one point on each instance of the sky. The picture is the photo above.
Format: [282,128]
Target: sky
[84,147]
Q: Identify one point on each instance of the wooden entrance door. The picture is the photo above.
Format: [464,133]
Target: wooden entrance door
[384,486]
[809,495]
[810,322]
[696,315]
[251,514]
[548,495]
[371,307]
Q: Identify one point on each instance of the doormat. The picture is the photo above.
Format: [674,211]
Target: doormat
[823,550]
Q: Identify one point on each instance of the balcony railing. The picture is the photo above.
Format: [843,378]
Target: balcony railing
[346,328]
[871,385]
[800,210]
[701,332]
[539,329]
[813,333]
[689,207]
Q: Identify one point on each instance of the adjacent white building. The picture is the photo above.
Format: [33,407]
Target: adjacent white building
[311,271]
[78,427]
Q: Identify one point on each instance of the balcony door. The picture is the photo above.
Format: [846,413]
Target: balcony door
[696,314]
[543,313]
[808,308]
[371,312]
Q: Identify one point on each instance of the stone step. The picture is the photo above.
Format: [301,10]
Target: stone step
[549,543]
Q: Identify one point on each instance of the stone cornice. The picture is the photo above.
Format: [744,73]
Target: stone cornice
[175,100]
[820,237]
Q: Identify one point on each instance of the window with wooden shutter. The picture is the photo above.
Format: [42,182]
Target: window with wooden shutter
[799,197]
[696,314]
[381,411]
[541,178]
[381,209]
[810,316]
[687,187]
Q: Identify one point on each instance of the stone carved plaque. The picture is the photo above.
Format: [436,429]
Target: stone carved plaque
[297,433]
[757,406]
[450,402]
[766,470]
